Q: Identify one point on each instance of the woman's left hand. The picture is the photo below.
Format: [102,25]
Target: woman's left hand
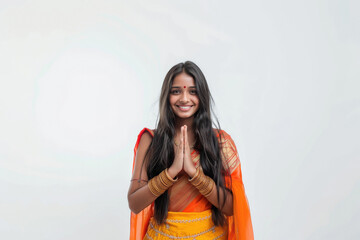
[189,166]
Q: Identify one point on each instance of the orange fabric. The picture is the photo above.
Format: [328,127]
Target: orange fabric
[139,222]
[239,225]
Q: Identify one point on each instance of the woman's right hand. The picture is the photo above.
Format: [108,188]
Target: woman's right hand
[178,163]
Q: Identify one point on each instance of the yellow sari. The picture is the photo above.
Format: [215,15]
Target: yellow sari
[188,204]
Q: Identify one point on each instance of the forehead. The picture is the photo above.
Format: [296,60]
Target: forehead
[183,79]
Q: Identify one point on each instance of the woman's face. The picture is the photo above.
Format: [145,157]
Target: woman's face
[183,97]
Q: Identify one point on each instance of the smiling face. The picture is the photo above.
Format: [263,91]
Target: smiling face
[183,96]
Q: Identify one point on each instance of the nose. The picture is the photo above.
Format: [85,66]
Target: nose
[184,97]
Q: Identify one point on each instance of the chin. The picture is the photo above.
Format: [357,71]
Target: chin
[185,116]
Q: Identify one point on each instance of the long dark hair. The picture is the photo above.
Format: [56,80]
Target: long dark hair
[160,154]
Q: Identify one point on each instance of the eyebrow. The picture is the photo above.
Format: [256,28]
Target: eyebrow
[180,87]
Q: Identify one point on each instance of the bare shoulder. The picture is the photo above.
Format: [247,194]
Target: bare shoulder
[141,148]
[145,139]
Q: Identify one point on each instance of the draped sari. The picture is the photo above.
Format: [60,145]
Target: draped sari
[185,198]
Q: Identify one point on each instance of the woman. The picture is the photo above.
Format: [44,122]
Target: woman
[186,181]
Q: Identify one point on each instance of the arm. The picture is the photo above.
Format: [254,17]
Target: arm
[203,183]
[139,195]
[228,207]
[212,197]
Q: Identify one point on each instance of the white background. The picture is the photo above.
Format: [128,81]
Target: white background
[80,79]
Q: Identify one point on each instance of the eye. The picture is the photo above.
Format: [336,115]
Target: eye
[175,91]
[194,92]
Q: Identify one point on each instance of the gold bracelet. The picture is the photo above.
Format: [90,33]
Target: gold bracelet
[162,181]
[209,186]
[170,178]
[203,183]
[167,179]
[196,174]
[162,187]
[165,183]
[155,184]
[159,184]
[209,189]
[152,188]
[198,179]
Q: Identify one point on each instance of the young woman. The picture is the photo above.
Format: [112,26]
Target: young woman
[186,181]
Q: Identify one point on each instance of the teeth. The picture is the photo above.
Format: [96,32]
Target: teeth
[185,108]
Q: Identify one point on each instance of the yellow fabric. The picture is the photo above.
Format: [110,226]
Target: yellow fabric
[186,225]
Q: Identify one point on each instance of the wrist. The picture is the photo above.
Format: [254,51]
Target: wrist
[159,184]
[195,176]
[172,172]
[203,183]
[191,172]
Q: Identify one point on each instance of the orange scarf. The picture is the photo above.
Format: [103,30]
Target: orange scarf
[239,225]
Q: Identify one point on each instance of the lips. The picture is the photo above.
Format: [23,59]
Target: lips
[184,108]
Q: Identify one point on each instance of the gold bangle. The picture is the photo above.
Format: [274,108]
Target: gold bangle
[158,184]
[210,189]
[152,188]
[173,180]
[167,179]
[203,183]
[206,190]
[161,180]
[198,179]
[196,175]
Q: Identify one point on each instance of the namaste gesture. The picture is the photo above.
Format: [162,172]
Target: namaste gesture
[182,159]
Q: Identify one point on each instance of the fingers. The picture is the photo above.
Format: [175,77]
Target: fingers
[186,140]
[186,137]
[178,163]
[189,166]
[182,140]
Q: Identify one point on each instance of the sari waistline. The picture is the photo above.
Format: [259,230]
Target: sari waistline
[186,225]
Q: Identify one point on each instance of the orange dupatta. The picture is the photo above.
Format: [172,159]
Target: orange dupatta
[239,225]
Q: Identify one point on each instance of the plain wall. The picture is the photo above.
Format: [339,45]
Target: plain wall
[80,79]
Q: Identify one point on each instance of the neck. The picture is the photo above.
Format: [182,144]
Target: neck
[179,122]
